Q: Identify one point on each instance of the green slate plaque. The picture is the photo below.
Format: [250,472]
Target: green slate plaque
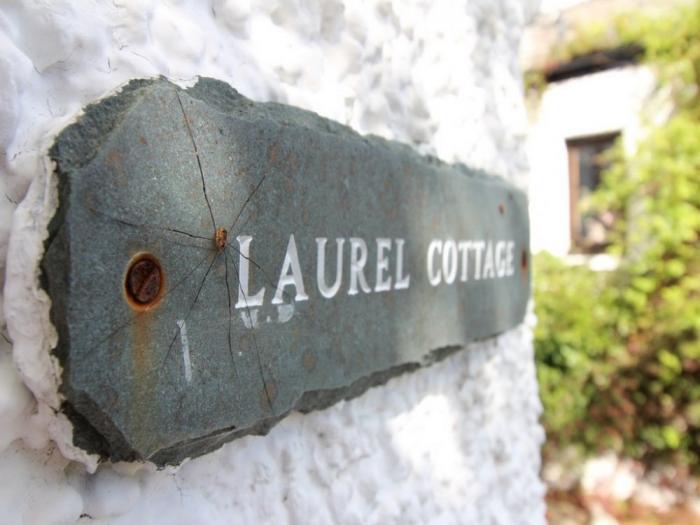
[215,263]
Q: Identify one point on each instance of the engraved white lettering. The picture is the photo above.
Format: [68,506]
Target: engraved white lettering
[245,299]
[328,291]
[358,260]
[291,263]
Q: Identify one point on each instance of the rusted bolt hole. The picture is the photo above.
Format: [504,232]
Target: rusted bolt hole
[501,209]
[144,281]
[523,260]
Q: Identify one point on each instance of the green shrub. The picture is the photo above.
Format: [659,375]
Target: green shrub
[568,339]
[618,353]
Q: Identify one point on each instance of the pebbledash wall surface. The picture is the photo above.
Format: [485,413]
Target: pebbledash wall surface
[456,442]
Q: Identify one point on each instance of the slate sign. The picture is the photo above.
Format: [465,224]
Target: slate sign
[215,263]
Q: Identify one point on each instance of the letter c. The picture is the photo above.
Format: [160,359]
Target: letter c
[434,276]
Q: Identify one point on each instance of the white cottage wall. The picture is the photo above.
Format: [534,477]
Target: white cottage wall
[617,100]
[457,442]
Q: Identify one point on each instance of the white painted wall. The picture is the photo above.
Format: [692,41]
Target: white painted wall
[454,443]
[617,100]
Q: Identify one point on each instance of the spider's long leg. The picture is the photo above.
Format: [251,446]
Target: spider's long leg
[167,292]
[255,342]
[189,310]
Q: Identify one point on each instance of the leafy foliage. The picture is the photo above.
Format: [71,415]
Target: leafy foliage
[619,353]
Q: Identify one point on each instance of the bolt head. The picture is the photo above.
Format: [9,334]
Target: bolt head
[144,281]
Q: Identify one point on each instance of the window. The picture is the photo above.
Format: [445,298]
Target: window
[587,161]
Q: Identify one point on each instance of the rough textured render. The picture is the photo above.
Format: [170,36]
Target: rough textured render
[457,442]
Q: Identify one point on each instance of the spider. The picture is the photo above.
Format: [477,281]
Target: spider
[220,238]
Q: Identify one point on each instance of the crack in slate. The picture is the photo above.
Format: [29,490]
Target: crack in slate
[230,314]
[196,154]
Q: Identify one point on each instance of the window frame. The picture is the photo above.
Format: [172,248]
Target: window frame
[573,145]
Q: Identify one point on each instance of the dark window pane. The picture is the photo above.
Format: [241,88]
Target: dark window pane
[587,161]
